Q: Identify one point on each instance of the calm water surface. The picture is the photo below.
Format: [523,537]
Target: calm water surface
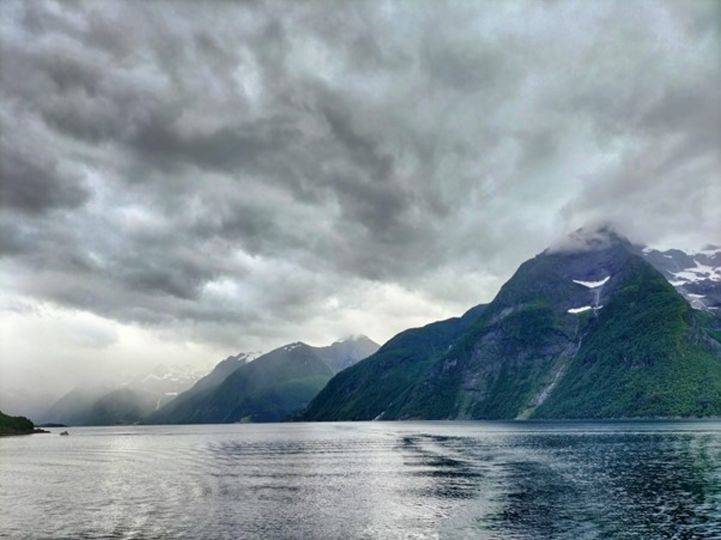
[366,480]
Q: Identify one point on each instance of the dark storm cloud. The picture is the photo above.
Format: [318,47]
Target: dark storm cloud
[228,148]
[35,183]
[241,164]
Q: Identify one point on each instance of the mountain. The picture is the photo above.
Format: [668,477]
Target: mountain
[696,275]
[100,407]
[364,391]
[346,352]
[73,408]
[270,388]
[23,401]
[586,329]
[183,404]
[166,381]
[126,403]
[119,407]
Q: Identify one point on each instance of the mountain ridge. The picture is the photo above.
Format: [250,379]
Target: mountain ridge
[528,347]
[272,387]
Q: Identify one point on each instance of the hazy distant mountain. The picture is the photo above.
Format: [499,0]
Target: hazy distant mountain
[73,408]
[585,329]
[166,381]
[346,352]
[119,407]
[126,403]
[183,402]
[24,402]
[96,407]
[270,388]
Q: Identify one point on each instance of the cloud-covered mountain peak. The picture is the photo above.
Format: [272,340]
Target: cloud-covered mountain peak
[590,238]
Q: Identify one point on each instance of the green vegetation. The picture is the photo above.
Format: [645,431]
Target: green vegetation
[269,389]
[15,425]
[494,370]
[645,353]
[380,384]
[642,358]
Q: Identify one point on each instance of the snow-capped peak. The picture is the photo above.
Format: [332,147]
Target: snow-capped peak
[699,272]
[695,274]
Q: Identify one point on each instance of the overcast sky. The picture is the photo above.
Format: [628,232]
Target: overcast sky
[184,181]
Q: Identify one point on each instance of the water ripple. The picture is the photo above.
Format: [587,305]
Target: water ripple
[366,480]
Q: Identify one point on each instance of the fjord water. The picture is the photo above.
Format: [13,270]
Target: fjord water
[366,480]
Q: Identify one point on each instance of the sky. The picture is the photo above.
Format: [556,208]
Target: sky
[184,181]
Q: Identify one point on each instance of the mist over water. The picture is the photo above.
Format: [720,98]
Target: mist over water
[393,479]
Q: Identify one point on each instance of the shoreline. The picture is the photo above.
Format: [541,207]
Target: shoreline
[19,434]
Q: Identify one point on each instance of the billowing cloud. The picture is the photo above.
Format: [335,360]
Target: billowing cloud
[243,175]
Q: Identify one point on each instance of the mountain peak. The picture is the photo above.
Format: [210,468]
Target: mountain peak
[294,345]
[588,328]
[354,338]
[237,359]
[347,351]
[590,238]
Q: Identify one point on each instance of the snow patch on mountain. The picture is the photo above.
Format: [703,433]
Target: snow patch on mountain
[695,274]
[593,284]
[699,272]
[583,309]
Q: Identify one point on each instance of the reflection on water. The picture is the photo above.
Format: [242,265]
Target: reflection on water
[387,479]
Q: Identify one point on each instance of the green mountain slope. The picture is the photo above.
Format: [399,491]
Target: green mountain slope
[362,392]
[183,405]
[587,331]
[267,389]
[271,388]
[647,354]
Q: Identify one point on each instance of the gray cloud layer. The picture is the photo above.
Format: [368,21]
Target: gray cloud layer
[239,172]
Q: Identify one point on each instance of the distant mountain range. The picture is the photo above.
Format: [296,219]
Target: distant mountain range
[243,387]
[100,407]
[127,404]
[593,328]
[167,380]
[270,388]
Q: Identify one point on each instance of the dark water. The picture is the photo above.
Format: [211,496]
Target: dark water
[366,480]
